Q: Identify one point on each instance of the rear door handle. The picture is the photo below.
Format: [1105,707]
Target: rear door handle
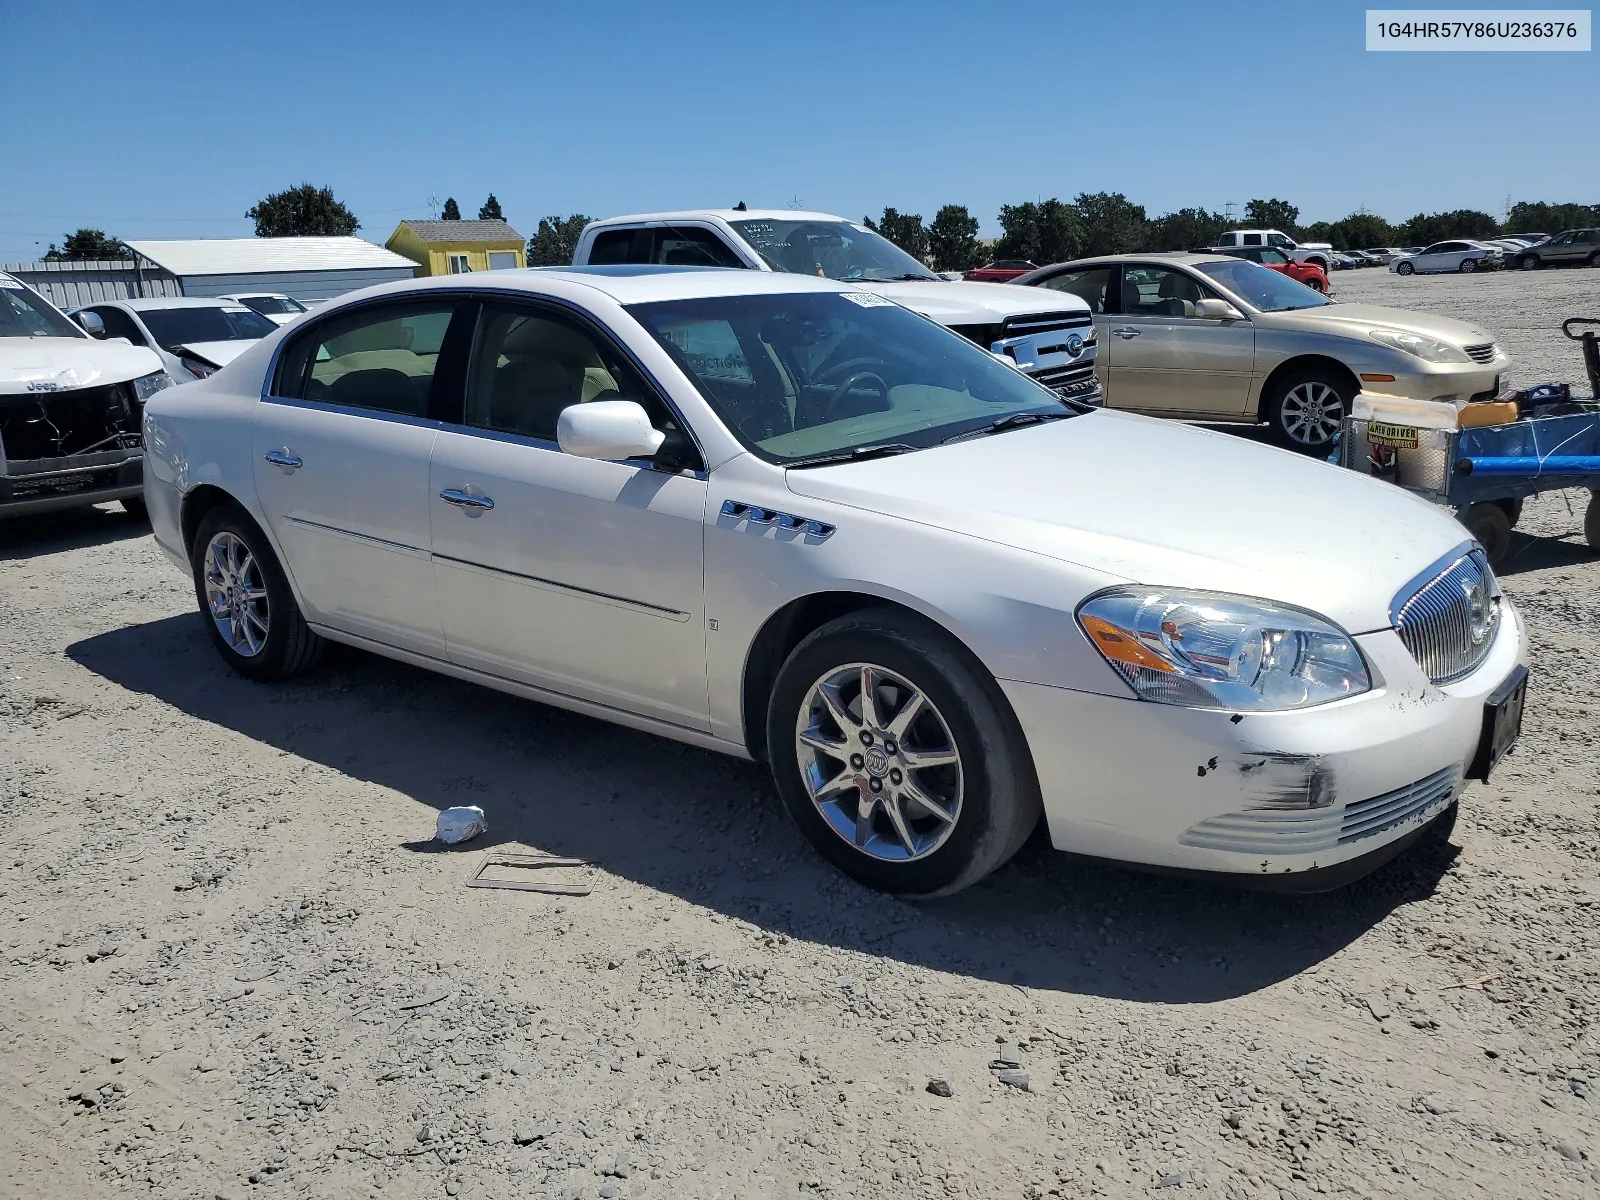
[465,499]
[282,458]
[1125,333]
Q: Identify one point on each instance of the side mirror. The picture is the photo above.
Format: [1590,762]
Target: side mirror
[607,429]
[1214,309]
[92,324]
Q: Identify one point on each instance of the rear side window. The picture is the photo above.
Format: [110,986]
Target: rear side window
[1091,286]
[1252,239]
[613,247]
[381,358]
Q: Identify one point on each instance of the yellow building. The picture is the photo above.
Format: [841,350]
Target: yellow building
[456,247]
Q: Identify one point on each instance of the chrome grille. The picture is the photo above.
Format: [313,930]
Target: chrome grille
[1448,620]
[1481,354]
[1062,378]
[1366,818]
[1039,322]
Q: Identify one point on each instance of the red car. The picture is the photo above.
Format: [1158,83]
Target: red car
[1001,271]
[1314,277]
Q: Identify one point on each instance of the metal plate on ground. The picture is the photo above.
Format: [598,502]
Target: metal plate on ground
[544,873]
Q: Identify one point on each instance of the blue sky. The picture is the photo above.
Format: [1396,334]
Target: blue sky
[170,120]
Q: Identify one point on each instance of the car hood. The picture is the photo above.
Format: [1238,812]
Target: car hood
[58,364]
[968,303]
[1161,503]
[218,354]
[1356,319]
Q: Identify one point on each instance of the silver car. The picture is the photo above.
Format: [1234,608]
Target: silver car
[1215,338]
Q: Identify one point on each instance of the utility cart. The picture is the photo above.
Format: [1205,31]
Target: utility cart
[1484,473]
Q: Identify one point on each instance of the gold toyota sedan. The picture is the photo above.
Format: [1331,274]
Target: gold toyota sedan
[1213,338]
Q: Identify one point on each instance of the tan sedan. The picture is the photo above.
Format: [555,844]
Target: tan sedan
[1209,337]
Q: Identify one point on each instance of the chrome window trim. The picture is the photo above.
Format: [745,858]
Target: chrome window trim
[345,410]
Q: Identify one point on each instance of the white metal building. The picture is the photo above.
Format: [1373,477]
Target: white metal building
[310,269]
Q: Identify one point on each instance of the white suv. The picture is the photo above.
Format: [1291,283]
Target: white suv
[1318,254]
[1050,337]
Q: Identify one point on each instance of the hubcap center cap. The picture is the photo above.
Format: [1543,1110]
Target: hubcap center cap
[877,762]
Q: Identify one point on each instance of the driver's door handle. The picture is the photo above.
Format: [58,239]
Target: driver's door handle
[282,458]
[1125,333]
[465,499]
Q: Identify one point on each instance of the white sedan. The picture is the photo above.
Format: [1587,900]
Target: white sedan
[785,519]
[1461,255]
[192,335]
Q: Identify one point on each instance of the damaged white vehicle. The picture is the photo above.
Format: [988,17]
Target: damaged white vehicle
[785,518]
[70,409]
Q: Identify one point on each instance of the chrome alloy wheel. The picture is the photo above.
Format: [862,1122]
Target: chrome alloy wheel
[236,594]
[879,762]
[1311,413]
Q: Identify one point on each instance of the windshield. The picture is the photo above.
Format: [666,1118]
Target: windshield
[1261,289]
[804,375]
[181,326]
[24,314]
[832,249]
[272,304]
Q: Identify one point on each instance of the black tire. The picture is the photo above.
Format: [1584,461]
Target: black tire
[1591,522]
[1405,268]
[1594,259]
[1513,509]
[999,792]
[1468,266]
[134,507]
[1287,411]
[289,647]
[1491,526]
[1529,262]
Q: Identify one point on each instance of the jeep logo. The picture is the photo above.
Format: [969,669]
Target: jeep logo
[43,385]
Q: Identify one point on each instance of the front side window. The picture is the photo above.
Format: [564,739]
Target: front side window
[830,249]
[26,314]
[184,326]
[690,246]
[1273,256]
[381,358]
[1277,239]
[528,364]
[1161,292]
[1261,289]
[1092,286]
[809,375]
[120,325]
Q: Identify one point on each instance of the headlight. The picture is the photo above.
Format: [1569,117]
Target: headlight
[148,385]
[1208,650]
[198,369]
[1419,346]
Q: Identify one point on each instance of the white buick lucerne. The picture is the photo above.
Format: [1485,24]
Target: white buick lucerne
[786,519]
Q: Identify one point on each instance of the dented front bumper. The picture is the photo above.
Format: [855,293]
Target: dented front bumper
[1260,793]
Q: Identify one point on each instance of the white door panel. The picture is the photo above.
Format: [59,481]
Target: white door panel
[352,517]
[585,577]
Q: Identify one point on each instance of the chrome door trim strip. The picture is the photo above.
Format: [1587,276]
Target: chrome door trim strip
[415,551]
[640,606]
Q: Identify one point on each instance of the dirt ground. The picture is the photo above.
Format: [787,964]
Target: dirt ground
[233,964]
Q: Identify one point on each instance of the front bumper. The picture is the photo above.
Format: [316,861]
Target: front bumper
[1445,382]
[1260,794]
[39,485]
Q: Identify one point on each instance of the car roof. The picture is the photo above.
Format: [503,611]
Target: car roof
[153,303]
[723,214]
[1186,258]
[255,296]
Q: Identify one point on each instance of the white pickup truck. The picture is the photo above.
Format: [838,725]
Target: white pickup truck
[1048,334]
[70,409]
[1318,254]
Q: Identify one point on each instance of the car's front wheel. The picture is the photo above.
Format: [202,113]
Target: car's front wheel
[245,599]
[1405,268]
[1528,262]
[1307,408]
[898,757]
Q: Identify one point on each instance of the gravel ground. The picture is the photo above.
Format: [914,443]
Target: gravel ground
[232,964]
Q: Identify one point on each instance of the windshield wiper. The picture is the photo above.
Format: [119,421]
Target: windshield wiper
[908,277]
[1014,421]
[857,455]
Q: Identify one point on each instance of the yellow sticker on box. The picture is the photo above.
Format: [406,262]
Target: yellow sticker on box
[1401,437]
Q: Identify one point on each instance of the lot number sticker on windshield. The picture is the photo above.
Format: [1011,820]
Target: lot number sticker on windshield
[7,282]
[866,299]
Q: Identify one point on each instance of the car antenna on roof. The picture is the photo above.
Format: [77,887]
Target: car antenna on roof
[739,207]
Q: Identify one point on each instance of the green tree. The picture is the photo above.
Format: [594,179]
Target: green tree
[491,210]
[452,210]
[1044,232]
[1019,232]
[87,244]
[303,211]
[1426,228]
[556,240]
[905,230]
[1538,217]
[1360,231]
[1317,231]
[953,239]
[1109,223]
[1186,229]
[1273,214]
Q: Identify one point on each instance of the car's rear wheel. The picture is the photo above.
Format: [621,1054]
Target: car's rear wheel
[1316,285]
[898,757]
[134,507]
[1307,408]
[1405,268]
[1591,522]
[245,599]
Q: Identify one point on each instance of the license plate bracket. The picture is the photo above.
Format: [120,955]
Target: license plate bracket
[1502,724]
